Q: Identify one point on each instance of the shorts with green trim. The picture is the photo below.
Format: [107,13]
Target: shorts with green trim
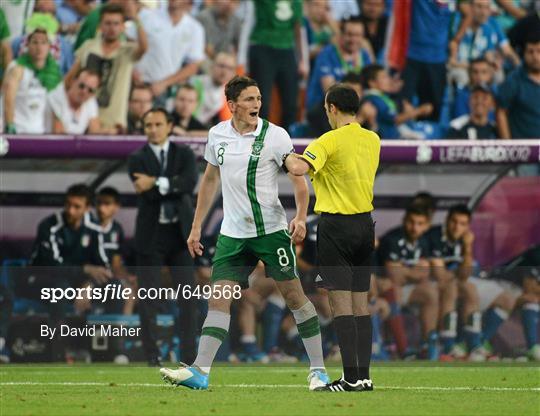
[236,258]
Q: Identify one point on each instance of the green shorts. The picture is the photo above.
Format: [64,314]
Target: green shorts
[235,258]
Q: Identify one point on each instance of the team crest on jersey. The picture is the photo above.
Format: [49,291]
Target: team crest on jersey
[114,237]
[85,240]
[249,220]
[256,148]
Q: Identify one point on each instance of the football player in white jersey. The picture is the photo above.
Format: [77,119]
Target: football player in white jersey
[247,153]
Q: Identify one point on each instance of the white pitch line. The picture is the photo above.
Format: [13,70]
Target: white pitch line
[277,370]
[270,386]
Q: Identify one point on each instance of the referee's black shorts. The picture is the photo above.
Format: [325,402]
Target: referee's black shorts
[345,245]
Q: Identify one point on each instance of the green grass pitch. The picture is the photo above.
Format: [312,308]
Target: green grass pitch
[400,389]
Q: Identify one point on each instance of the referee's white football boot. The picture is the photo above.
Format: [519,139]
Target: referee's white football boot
[341,386]
[318,380]
[190,377]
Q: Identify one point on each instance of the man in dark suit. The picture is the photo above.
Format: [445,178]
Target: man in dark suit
[164,175]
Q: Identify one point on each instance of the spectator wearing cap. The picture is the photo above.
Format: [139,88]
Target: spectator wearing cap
[518,111]
[44,17]
[28,78]
[475,125]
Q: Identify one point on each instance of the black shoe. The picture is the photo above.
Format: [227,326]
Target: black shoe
[342,385]
[155,362]
[367,385]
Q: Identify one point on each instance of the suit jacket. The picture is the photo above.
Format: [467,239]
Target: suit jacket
[182,174]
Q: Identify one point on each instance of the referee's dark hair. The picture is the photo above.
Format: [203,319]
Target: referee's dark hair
[461,209]
[416,210]
[80,190]
[344,98]
[235,86]
[109,191]
[158,110]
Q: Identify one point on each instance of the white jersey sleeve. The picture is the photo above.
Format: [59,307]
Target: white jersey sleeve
[281,145]
[209,153]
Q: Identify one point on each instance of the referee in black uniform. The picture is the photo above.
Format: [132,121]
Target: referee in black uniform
[342,165]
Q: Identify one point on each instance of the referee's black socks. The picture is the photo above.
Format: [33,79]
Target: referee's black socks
[348,344]
[364,333]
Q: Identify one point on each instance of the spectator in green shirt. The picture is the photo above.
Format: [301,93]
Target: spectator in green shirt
[272,59]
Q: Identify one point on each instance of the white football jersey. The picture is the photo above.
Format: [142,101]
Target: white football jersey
[249,165]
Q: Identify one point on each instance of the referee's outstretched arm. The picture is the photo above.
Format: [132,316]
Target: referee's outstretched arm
[296,165]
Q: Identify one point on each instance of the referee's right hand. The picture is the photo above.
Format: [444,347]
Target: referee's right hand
[194,243]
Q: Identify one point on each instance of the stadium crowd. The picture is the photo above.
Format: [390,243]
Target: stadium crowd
[84,67]
[423,69]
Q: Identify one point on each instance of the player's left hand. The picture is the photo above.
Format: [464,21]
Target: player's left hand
[297,229]
[143,182]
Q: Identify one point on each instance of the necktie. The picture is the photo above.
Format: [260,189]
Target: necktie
[162,162]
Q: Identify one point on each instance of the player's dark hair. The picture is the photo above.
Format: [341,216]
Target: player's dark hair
[352,78]
[416,210]
[344,98]
[235,86]
[158,110]
[110,192]
[111,8]
[461,209]
[370,73]
[80,190]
